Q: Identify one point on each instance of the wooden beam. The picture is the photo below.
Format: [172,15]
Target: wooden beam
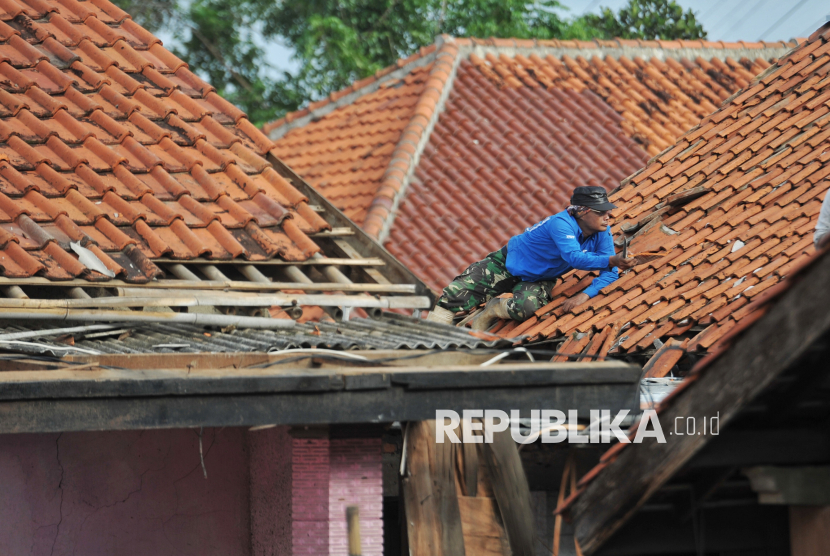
[112,407]
[215,285]
[240,360]
[103,382]
[368,247]
[793,323]
[323,261]
[423,526]
[191,298]
[334,232]
[504,467]
[444,492]
[742,448]
[810,530]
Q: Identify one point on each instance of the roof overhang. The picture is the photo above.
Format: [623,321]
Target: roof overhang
[279,389]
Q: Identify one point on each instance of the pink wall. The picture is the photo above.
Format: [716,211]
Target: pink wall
[124,493]
[310,496]
[143,493]
[356,479]
[270,491]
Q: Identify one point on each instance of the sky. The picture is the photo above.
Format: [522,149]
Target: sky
[735,20]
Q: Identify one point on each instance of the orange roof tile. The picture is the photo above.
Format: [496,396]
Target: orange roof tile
[747,225]
[452,151]
[108,140]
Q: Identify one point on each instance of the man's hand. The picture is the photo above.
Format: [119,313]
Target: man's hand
[623,264]
[824,241]
[574,302]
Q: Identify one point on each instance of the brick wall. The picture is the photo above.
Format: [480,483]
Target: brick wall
[310,496]
[356,479]
[270,491]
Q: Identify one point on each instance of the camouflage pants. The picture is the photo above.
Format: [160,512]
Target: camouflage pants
[488,278]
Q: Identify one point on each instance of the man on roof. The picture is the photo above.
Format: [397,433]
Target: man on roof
[821,237]
[528,266]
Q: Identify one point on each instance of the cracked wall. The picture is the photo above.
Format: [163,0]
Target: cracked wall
[125,493]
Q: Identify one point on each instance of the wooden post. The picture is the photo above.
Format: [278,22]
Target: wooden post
[809,530]
[353,525]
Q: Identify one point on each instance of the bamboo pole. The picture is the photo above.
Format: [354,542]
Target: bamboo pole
[98,315]
[353,526]
[215,285]
[372,261]
[161,298]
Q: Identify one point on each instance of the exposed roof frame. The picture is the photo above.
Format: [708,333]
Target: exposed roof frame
[724,383]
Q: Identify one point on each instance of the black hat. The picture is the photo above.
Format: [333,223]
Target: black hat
[592,196]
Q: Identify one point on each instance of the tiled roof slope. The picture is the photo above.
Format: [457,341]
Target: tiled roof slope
[345,154]
[499,160]
[732,208]
[759,307]
[108,140]
[521,124]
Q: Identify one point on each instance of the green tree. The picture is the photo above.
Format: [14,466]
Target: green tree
[646,19]
[339,41]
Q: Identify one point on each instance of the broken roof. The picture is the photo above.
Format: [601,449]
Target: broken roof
[108,140]
[768,374]
[730,209]
[453,150]
[120,166]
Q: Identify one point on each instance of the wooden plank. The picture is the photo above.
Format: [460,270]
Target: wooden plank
[471,465]
[810,530]
[352,253]
[446,500]
[483,546]
[241,360]
[334,232]
[766,349]
[478,517]
[215,299]
[214,285]
[323,261]
[511,492]
[423,528]
[120,411]
[394,271]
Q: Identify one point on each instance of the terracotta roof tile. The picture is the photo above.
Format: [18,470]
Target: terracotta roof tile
[360,154]
[750,235]
[108,139]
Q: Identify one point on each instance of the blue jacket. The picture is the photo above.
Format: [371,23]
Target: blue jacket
[554,246]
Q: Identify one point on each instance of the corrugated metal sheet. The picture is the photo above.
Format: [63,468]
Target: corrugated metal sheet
[390,332]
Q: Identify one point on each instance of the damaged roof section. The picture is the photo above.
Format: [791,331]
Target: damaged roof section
[109,141]
[723,215]
[446,155]
[120,167]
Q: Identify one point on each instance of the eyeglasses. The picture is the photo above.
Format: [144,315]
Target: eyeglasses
[602,213]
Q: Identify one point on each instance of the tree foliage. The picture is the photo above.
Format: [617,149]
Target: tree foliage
[646,19]
[336,42]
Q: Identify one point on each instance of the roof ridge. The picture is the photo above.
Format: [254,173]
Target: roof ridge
[425,54]
[407,152]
